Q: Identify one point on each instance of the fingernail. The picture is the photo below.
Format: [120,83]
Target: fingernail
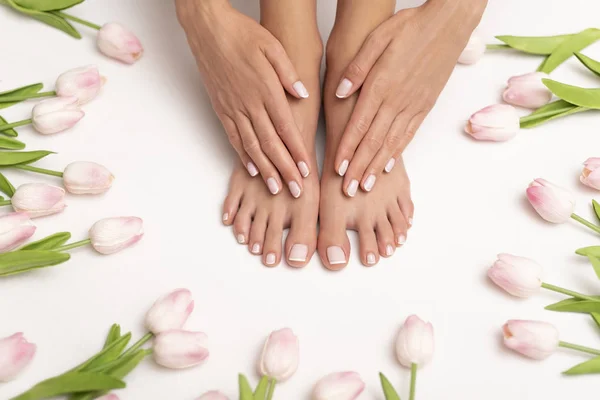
[410,221]
[401,239]
[343,168]
[336,255]
[303,168]
[370,258]
[370,182]
[270,259]
[241,239]
[273,185]
[294,189]
[300,89]
[252,169]
[351,190]
[225,217]
[390,165]
[389,250]
[344,88]
[256,248]
[299,252]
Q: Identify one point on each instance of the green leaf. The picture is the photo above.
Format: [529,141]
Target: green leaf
[245,389]
[53,20]
[11,144]
[71,382]
[548,112]
[6,187]
[575,305]
[595,264]
[22,91]
[113,334]
[21,157]
[588,367]
[8,132]
[388,390]
[596,207]
[589,251]
[542,45]
[16,262]
[579,96]
[596,318]
[48,5]
[106,355]
[49,242]
[590,63]
[261,390]
[569,46]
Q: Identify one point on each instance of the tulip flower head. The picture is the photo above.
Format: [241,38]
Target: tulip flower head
[590,176]
[15,354]
[56,114]
[415,342]
[15,228]
[552,202]
[473,51]
[280,355]
[497,123]
[178,349]
[527,90]
[213,395]
[83,83]
[84,177]
[533,339]
[39,199]
[119,43]
[519,276]
[110,396]
[339,386]
[170,311]
[111,235]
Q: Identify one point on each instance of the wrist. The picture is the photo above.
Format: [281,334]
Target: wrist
[202,11]
[469,12]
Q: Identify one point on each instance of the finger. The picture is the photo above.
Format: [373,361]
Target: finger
[285,70]
[235,139]
[357,71]
[405,136]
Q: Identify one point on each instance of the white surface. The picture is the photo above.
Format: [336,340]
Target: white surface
[153,127]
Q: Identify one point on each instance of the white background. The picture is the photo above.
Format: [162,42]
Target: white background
[153,127]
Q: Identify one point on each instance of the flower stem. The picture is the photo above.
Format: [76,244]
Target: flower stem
[6,127]
[78,20]
[39,170]
[583,221]
[273,382]
[73,245]
[413,380]
[10,99]
[5,203]
[568,292]
[137,344]
[577,347]
[497,46]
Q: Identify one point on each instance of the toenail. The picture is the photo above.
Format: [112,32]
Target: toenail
[336,255]
[343,168]
[410,221]
[273,185]
[389,250]
[241,239]
[352,187]
[343,88]
[299,252]
[270,259]
[370,182]
[371,259]
[225,217]
[401,239]
[252,170]
[256,248]
[303,168]
[294,189]
[390,165]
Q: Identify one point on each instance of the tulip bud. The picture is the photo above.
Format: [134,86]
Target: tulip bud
[213,395]
[527,90]
[552,202]
[497,123]
[180,349]
[519,276]
[15,354]
[39,199]
[170,311]
[473,51]
[415,342]
[84,83]
[590,176]
[110,396]
[533,339]
[339,386]
[56,114]
[111,235]
[15,228]
[280,355]
[84,177]
[117,42]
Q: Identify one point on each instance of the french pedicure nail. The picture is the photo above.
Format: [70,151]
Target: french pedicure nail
[389,250]
[273,185]
[343,168]
[298,252]
[303,168]
[343,88]
[390,165]
[295,189]
[241,239]
[225,217]
[252,170]
[256,248]
[371,259]
[270,259]
[370,182]
[401,239]
[300,89]
[352,187]
[336,255]
[410,221]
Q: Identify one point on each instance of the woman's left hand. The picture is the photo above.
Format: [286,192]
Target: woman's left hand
[402,67]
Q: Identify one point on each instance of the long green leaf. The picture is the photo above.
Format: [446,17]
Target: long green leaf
[8,132]
[48,5]
[261,390]
[569,46]
[588,367]
[49,242]
[113,334]
[589,251]
[6,187]
[53,20]
[388,390]
[579,96]
[22,91]
[548,112]
[106,355]
[590,63]
[17,262]
[245,389]
[595,264]
[71,382]
[21,157]
[575,305]
[542,45]
[596,207]
[9,143]
[596,318]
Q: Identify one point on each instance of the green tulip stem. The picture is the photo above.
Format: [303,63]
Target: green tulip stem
[6,127]
[568,292]
[577,347]
[137,344]
[78,20]
[583,221]
[497,46]
[39,170]
[272,382]
[5,203]
[73,245]
[413,380]
[10,99]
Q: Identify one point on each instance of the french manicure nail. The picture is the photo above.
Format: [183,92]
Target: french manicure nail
[294,189]
[370,258]
[298,252]
[300,89]
[241,239]
[303,168]
[389,250]
[256,248]
[273,185]
[351,190]
[369,182]
[225,217]
[336,255]
[270,259]
[344,88]
[252,169]
[343,168]
[401,239]
[390,165]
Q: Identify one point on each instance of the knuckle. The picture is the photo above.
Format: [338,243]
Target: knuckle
[373,143]
[284,128]
[392,141]
[268,146]
[251,146]
[362,125]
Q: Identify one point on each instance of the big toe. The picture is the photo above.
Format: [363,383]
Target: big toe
[334,246]
[301,240]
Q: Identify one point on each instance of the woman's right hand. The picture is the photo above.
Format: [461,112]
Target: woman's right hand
[245,70]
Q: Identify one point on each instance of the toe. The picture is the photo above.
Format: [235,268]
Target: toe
[399,225]
[369,254]
[242,222]
[273,239]
[385,237]
[231,206]
[257,232]
[334,246]
[407,207]
[302,239]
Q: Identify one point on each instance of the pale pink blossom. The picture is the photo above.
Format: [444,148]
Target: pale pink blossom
[339,386]
[498,122]
[85,177]
[111,235]
[280,355]
[518,276]
[552,202]
[180,349]
[39,199]
[15,228]
[213,395]
[84,83]
[117,42]
[527,90]
[110,396]
[415,342]
[473,51]
[533,339]
[170,311]
[56,114]
[15,354]
[590,176]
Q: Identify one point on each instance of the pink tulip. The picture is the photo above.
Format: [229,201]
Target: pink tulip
[117,42]
[473,51]
[415,342]
[496,123]
[84,83]
[111,235]
[178,349]
[110,396]
[170,311]
[84,177]
[15,228]
[519,276]
[527,90]
[339,386]
[15,354]
[590,176]
[552,202]
[213,395]
[39,199]
[56,114]
[280,355]
[533,339]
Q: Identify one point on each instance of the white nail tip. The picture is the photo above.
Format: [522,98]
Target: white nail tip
[256,248]
[352,187]
[252,170]
[270,259]
[241,239]
[336,255]
[371,259]
[389,250]
[343,168]
[295,189]
[303,168]
[390,165]
[225,217]
[298,252]
[401,239]
[343,89]
[300,89]
[273,185]
[370,182]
